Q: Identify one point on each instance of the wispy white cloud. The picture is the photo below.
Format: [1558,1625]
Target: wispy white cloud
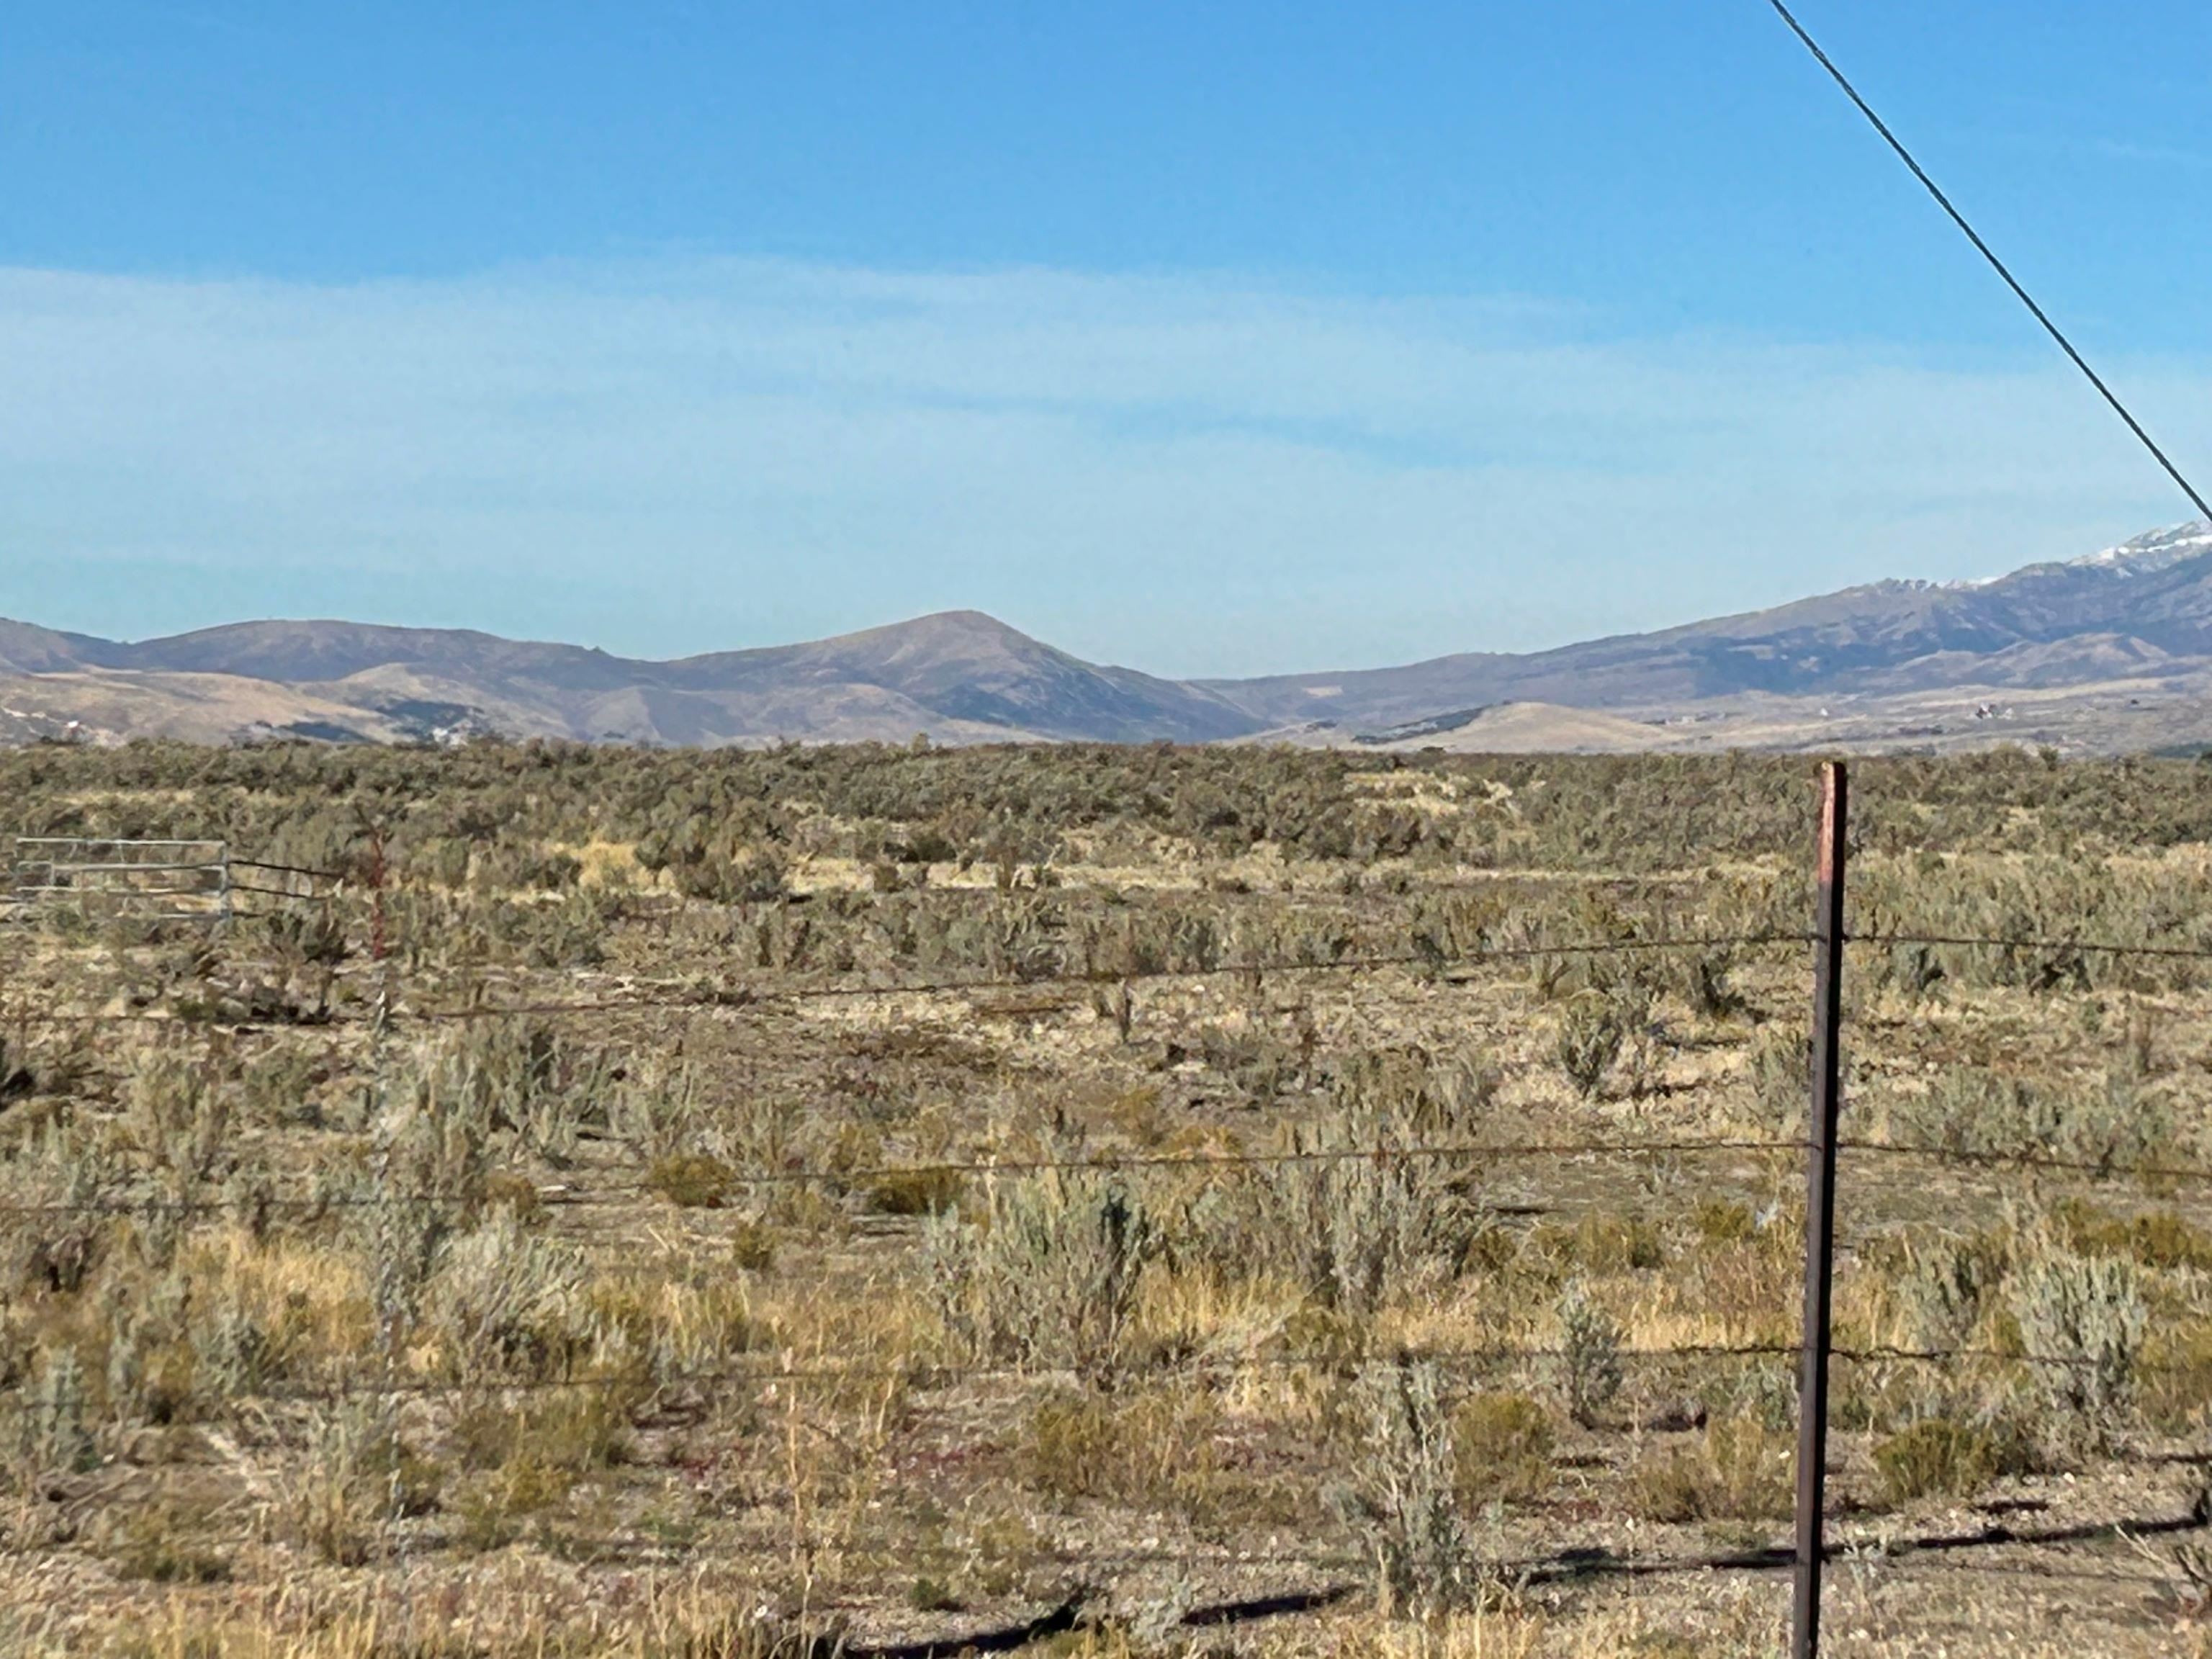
[1197,474]
[2121,150]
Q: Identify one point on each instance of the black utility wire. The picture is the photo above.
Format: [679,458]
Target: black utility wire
[1985,250]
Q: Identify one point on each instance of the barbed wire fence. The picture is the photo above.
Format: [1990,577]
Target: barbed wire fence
[390,1380]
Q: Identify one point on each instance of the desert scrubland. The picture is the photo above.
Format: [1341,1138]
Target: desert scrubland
[1229,1199]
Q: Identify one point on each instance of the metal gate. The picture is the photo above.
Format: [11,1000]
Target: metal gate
[143,880]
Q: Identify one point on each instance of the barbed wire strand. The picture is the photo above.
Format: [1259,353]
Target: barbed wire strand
[861,1177]
[1445,965]
[2053,946]
[743,996]
[2106,1168]
[867,1176]
[929,1374]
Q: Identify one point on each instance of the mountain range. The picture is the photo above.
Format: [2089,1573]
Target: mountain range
[2109,652]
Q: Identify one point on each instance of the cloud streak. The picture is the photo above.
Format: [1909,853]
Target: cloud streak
[1197,474]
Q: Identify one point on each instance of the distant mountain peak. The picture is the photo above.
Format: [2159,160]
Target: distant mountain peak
[939,629]
[2157,550]
[2131,625]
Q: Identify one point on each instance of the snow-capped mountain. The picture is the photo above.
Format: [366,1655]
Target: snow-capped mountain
[2143,606]
[2154,551]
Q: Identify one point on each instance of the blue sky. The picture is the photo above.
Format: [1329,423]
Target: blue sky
[1210,339]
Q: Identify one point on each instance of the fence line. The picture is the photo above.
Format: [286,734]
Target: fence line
[2103,1168]
[274,892]
[1444,965]
[289,869]
[749,996]
[2054,946]
[944,1375]
[1564,1567]
[1106,1163]
[864,1174]
[933,1374]
[1112,1163]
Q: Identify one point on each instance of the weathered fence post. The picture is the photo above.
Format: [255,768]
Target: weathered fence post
[1820,1211]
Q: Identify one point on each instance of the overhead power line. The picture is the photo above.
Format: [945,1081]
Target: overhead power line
[1988,253]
